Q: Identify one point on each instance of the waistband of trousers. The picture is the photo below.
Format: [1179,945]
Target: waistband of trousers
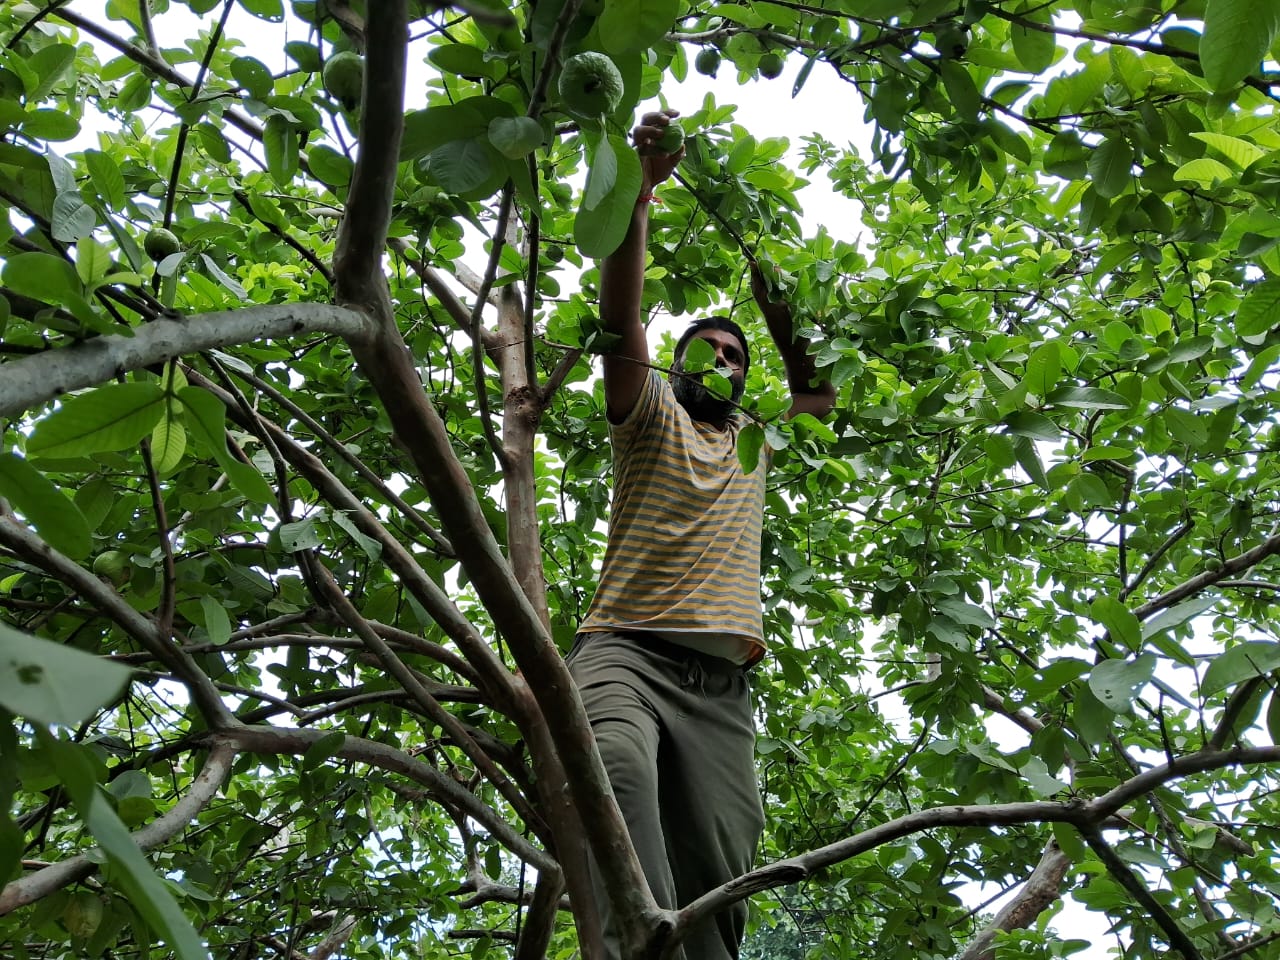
[679,652]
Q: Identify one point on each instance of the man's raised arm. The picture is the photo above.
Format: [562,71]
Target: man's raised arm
[622,276]
[809,394]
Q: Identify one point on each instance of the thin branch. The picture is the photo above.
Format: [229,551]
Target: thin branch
[281,740]
[31,381]
[1182,530]
[30,888]
[477,343]
[1123,875]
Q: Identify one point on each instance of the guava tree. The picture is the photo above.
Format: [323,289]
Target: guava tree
[306,471]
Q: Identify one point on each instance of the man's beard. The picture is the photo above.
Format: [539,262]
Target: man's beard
[699,402]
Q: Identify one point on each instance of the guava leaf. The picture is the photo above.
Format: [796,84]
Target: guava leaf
[600,231]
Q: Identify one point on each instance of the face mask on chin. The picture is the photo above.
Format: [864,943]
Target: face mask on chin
[699,402]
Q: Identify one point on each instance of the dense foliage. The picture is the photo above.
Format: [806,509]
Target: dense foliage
[294,487]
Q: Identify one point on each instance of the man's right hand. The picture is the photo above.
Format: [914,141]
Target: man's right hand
[656,165]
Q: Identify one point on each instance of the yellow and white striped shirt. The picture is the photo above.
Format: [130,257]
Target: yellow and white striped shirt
[683,557]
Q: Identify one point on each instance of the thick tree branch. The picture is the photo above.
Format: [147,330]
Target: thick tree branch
[540,921]
[1230,568]
[30,381]
[1042,888]
[27,890]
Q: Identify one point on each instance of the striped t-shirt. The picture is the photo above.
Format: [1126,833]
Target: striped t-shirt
[683,557]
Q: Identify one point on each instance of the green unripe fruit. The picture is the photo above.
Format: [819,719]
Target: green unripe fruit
[112,565]
[160,243]
[771,66]
[343,77]
[555,252]
[82,915]
[707,61]
[590,85]
[672,138]
[1212,564]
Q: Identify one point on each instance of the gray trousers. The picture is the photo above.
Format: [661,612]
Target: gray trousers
[675,730]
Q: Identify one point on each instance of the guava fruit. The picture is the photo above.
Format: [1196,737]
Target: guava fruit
[951,41]
[555,253]
[771,66]
[707,62]
[112,565]
[672,138]
[590,85]
[343,77]
[160,243]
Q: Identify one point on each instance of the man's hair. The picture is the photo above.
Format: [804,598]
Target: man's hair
[718,322]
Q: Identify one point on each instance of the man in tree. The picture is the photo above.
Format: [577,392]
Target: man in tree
[662,655]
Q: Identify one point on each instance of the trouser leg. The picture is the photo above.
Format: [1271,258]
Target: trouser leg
[710,800]
[626,729]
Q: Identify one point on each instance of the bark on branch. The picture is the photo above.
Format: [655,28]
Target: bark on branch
[33,380]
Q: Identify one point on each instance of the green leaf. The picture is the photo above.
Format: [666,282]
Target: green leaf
[750,441]
[963,612]
[1024,423]
[217,624]
[462,165]
[323,749]
[299,535]
[1117,682]
[1035,49]
[1260,309]
[1205,171]
[54,684]
[51,125]
[600,231]
[106,178]
[56,518]
[601,176]
[1111,167]
[371,547]
[1241,153]
[1273,718]
[1237,35]
[50,64]
[206,420]
[168,443]
[329,166]
[280,144]
[1087,398]
[1124,628]
[42,276]
[253,76]
[515,137]
[147,893]
[1254,658]
[304,54]
[112,417]
[1025,450]
[463,60]
[425,130]
[1044,367]
[963,92]
[628,25]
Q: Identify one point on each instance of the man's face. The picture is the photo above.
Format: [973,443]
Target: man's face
[699,402]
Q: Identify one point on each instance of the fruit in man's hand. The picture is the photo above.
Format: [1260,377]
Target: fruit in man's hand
[160,243]
[343,77]
[707,62]
[672,138]
[771,66]
[590,85]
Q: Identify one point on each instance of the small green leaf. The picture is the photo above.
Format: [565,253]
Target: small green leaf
[1087,398]
[1260,309]
[42,276]
[253,76]
[217,624]
[111,417]
[1239,663]
[1024,423]
[1117,682]
[106,178]
[1124,628]
[57,519]
[1205,171]
[168,444]
[1241,153]
[54,684]
[1035,49]
[371,547]
[1025,450]
[323,749]
[299,535]
[206,420]
[1179,614]
[280,144]
[601,176]
[1111,166]
[515,137]
[750,440]
[462,165]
